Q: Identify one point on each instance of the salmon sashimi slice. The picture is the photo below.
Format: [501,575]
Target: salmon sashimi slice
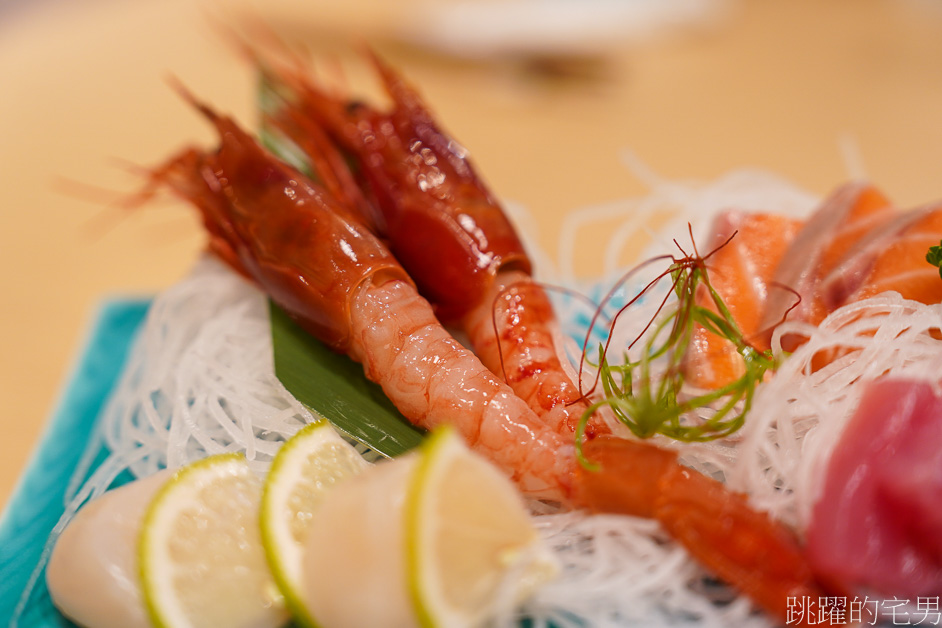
[900,265]
[740,272]
[828,245]
[869,212]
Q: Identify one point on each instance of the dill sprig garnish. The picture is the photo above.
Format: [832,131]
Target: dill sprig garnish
[647,394]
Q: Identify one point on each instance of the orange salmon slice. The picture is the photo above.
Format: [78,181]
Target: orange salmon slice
[822,247]
[901,266]
[741,273]
[828,258]
[870,211]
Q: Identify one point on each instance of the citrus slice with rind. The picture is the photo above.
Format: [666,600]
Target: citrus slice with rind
[310,464]
[429,538]
[200,550]
[467,530]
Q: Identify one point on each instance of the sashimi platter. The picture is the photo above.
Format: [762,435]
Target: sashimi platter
[372,404]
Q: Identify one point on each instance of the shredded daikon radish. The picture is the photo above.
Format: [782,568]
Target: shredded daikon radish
[799,414]
[623,571]
[201,378]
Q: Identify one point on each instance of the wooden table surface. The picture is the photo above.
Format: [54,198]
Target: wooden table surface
[813,91]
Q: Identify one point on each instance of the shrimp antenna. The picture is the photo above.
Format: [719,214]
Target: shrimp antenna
[184,92]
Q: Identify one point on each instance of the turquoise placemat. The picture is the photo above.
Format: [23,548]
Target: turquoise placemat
[39,499]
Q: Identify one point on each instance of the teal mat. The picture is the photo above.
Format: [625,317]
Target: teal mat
[39,499]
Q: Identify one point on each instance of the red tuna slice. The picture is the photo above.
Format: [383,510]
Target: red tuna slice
[740,273]
[877,524]
[852,213]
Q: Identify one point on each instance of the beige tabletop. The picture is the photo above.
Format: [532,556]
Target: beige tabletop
[813,91]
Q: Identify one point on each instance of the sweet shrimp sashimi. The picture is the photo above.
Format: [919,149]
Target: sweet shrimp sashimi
[341,284]
[445,227]
[307,252]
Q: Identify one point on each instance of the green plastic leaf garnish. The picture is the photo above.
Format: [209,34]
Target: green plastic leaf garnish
[647,394]
[934,256]
[334,386]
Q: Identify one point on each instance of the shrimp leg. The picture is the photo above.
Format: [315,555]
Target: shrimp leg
[447,230]
[329,272]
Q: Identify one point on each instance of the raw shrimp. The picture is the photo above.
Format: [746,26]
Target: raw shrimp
[329,272]
[447,230]
[340,283]
[513,330]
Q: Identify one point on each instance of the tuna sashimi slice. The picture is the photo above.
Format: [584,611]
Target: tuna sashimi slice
[877,524]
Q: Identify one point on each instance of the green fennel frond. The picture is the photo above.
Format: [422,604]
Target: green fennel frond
[647,393]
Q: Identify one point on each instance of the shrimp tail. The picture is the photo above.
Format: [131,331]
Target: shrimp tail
[745,548]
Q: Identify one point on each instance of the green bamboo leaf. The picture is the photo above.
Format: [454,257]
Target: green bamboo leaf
[329,384]
[334,386]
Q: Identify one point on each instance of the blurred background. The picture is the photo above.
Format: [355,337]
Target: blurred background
[549,96]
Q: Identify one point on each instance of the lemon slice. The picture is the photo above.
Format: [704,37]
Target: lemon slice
[311,463]
[429,538]
[200,550]
[467,529]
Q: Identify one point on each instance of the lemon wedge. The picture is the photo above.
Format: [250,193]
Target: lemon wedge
[426,539]
[200,550]
[311,463]
[467,529]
